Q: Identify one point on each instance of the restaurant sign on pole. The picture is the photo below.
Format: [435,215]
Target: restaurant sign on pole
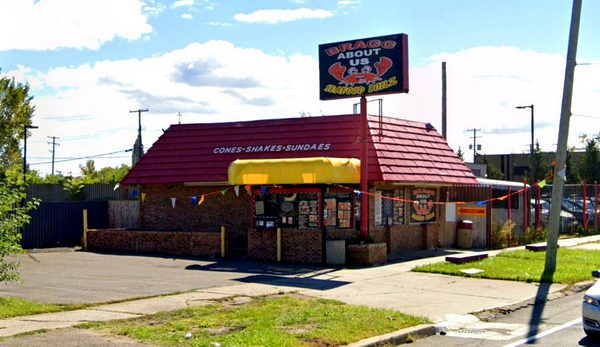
[371,66]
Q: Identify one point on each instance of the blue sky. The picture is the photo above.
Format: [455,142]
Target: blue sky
[90,62]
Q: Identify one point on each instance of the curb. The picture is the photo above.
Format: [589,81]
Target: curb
[397,337]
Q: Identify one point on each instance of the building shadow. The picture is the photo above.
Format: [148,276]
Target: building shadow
[405,256]
[277,274]
[258,267]
[295,282]
[539,304]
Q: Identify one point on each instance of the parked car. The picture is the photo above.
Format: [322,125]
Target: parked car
[567,219]
[590,308]
[576,204]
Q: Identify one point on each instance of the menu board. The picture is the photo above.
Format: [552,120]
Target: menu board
[389,207]
[330,212]
[308,214]
[344,214]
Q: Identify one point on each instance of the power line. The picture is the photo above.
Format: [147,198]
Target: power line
[86,157]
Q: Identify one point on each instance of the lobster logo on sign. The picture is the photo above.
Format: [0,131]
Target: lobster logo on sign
[363,76]
[422,208]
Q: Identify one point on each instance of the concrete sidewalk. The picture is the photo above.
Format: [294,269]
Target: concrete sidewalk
[391,286]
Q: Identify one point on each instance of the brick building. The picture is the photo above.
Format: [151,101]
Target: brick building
[299,175]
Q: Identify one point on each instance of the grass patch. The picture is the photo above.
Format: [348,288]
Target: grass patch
[12,307]
[572,266]
[278,321]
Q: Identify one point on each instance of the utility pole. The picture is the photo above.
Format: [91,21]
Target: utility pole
[474,146]
[54,144]
[25,150]
[444,108]
[139,150]
[563,135]
[179,116]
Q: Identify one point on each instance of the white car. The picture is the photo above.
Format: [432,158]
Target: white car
[590,309]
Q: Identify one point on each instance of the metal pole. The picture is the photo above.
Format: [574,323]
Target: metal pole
[585,212]
[364,168]
[563,135]
[596,206]
[532,148]
[533,173]
[525,209]
[444,104]
[24,153]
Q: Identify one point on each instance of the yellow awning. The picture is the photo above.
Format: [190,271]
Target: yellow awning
[294,171]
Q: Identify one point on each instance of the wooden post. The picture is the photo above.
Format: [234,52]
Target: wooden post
[278,244]
[85,228]
[222,241]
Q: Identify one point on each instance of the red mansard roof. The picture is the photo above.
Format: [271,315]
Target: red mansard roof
[405,151]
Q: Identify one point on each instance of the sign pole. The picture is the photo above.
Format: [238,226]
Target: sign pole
[364,168]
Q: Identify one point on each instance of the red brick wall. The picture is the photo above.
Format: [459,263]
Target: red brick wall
[262,245]
[297,246]
[157,213]
[341,234]
[198,244]
[302,246]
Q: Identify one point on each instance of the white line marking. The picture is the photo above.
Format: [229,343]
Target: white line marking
[545,333]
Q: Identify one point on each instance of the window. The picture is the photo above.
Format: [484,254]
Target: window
[288,210]
[388,209]
[337,211]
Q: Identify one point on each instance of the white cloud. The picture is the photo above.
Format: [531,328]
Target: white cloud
[348,2]
[205,82]
[485,84]
[187,16]
[219,24]
[182,3]
[52,24]
[209,82]
[277,16]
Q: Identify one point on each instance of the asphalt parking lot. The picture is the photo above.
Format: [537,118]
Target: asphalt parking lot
[76,277]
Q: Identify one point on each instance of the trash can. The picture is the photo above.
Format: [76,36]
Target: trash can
[464,234]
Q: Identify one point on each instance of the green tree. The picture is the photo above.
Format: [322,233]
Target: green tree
[15,114]
[589,169]
[13,216]
[492,171]
[112,174]
[460,154]
[89,174]
[538,165]
[572,174]
[88,171]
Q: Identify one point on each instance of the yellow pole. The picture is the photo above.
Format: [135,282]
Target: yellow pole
[222,241]
[278,244]
[85,228]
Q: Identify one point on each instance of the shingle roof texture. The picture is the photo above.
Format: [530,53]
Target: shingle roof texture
[399,150]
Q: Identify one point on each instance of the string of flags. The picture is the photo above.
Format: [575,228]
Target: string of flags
[199,200]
